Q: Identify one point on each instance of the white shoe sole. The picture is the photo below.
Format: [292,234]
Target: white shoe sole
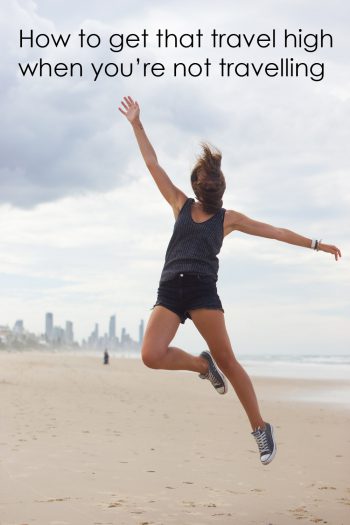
[274,450]
[224,380]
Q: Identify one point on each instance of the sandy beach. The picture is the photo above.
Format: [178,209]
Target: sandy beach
[83,443]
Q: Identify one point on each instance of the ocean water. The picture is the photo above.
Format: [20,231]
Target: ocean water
[333,371]
[331,367]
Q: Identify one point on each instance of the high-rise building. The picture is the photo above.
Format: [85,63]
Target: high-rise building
[18,327]
[96,332]
[112,328]
[141,332]
[69,336]
[58,335]
[123,337]
[93,337]
[49,326]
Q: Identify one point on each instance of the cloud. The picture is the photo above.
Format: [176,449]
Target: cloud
[65,136]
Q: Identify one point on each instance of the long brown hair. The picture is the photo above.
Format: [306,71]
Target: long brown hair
[210,190]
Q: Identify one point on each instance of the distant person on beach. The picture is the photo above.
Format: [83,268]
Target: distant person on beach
[106,357]
[187,287]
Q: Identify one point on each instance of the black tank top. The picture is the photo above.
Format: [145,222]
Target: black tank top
[194,246]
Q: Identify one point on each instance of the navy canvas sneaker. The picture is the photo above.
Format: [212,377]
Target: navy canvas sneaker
[214,374]
[266,443]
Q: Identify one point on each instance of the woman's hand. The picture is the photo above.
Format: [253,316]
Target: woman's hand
[330,249]
[132,109]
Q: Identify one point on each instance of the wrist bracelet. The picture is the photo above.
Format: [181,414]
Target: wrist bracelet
[315,244]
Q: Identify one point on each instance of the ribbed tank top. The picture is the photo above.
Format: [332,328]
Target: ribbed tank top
[194,246]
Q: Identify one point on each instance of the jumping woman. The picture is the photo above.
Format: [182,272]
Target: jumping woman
[187,287]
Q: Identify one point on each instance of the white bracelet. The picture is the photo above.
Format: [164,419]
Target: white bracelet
[313,244]
[318,244]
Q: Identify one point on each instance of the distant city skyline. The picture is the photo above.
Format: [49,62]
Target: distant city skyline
[55,335]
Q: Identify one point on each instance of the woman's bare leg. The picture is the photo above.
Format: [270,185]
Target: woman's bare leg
[156,352]
[211,325]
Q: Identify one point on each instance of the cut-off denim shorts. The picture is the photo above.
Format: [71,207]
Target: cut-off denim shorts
[188,291]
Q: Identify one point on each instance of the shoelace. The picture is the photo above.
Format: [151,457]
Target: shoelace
[213,378]
[262,442]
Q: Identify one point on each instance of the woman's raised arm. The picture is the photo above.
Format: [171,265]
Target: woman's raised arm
[242,223]
[170,192]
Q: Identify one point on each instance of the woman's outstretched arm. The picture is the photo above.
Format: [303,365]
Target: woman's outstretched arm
[242,223]
[170,192]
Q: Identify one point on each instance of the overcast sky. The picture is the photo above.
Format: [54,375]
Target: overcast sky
[83,229]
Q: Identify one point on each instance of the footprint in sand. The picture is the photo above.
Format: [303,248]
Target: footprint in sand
[344,501]
[299,512]
[52,500]
[118,503]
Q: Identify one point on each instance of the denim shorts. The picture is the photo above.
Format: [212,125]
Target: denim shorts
[188,291]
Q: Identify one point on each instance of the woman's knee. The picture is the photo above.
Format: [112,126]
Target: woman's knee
[225,360]
[151,355]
